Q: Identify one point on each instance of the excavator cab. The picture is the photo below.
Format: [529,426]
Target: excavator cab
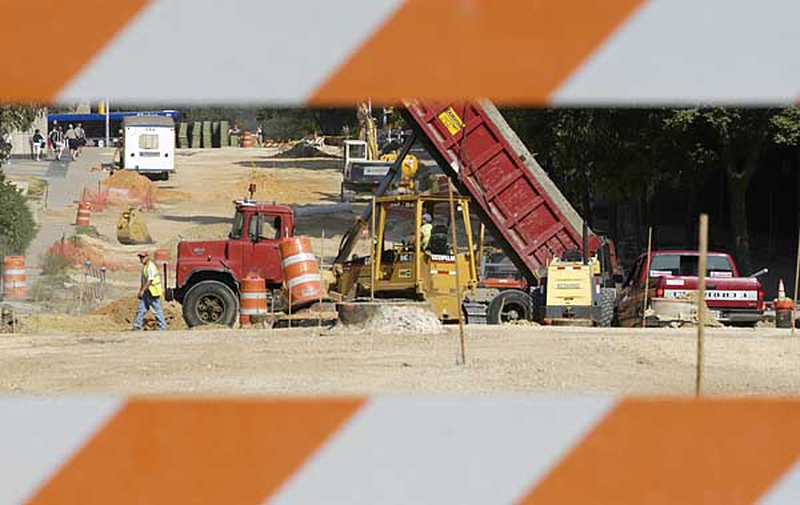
[399,267]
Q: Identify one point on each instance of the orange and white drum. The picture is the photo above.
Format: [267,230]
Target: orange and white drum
[253,299]
[84,213]
[14,286]
[161,257]
[248,140]
[301,271]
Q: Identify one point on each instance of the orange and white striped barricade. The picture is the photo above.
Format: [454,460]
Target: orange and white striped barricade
[253,300]
[300,272]
[14,285]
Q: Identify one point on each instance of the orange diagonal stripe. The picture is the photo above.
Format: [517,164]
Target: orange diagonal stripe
[508,50]
[52,41]
[685,452]
[196,451]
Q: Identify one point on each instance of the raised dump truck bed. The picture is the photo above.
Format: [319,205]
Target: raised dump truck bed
[480,152]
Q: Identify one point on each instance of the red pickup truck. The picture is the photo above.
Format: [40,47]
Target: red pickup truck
[731,298]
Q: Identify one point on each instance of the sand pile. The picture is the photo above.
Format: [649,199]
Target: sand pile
[303,150]
[392,319]
[216,231]
[123,311]
[125,186]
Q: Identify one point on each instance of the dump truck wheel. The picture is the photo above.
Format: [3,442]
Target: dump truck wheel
[605,303]
[510,306]
[210,302]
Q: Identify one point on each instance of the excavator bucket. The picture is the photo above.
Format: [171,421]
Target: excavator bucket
[131,229]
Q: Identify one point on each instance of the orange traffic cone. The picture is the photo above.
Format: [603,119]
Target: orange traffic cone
[781,290]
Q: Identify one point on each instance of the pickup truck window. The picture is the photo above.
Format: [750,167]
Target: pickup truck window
[686,265]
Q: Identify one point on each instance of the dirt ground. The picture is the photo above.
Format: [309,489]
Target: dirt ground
[70,345]
[507,360]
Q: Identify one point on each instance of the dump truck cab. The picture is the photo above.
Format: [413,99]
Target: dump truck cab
[208,272]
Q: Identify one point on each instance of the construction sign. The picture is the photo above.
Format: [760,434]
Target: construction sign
[461,450]
[563,52]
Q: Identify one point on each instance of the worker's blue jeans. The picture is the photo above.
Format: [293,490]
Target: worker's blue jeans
[146,303]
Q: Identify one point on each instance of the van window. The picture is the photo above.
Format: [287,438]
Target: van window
[148,141]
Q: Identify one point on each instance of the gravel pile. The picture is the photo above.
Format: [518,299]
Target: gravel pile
[392,319]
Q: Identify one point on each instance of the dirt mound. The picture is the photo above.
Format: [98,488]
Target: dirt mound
[125,186]
[216,231]
[390,319]
[123,311]
[303,150]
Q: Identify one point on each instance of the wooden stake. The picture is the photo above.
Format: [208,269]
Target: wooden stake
[372,272]
[454,234]
[701,302]
[796,280]
[647,276]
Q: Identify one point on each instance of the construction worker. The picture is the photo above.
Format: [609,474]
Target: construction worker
[150,293]
[425,231]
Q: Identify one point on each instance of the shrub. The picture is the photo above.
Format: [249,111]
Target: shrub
[17,227]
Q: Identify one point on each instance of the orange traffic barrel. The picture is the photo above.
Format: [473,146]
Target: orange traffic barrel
[161,256]
[253,300]
[84,213]
[14,286]
[300,271]
[247,140]
[783,312]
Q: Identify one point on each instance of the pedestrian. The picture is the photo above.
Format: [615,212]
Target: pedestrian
[72,142]
[150,293]
[37,144]
[57,142]
[80,134]
[259,136]
[6,147]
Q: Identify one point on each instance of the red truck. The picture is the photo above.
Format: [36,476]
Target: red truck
[731,298]
[208,272]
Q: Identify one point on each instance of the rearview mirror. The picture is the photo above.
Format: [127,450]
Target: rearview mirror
[760,272]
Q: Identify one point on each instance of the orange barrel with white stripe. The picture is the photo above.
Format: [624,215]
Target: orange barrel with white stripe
[300,271]
[14,287]
[253,299]
[248,140]
[84,213]
[161,257]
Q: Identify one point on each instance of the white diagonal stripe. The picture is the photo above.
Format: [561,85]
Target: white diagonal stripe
[39,435]
[786,491]
[684,51]
[443,450]
[184,51]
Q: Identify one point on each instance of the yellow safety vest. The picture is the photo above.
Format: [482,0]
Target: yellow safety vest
[425,235]
[156,289]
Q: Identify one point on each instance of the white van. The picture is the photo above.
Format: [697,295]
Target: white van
[149,145]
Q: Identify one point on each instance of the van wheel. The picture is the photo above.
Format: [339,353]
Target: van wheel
[210,302]
[605,304]
[509,306]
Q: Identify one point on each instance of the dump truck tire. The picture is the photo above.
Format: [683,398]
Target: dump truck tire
[511,305]
[210,302]
[605,303]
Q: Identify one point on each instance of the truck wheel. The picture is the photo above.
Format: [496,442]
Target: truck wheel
[210,302]
[605,303]
[509,306]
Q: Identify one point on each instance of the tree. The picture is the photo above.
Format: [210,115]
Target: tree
[17,226]
[738,137]
[14,118]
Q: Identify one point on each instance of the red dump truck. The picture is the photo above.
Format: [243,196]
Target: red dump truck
[731,298]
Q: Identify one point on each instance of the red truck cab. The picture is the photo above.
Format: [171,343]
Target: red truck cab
[208,272]
[731,298]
